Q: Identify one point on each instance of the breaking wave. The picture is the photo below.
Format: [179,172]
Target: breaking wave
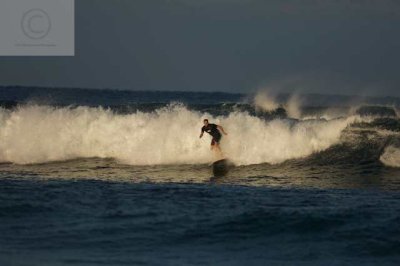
[168,135]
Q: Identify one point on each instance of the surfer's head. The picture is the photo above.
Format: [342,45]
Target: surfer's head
[205,121]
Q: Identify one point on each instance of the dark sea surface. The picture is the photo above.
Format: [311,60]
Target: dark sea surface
[91,177]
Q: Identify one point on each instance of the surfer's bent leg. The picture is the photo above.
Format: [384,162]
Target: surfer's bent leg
[215,144]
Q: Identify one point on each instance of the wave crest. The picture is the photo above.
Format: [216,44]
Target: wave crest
[37,134]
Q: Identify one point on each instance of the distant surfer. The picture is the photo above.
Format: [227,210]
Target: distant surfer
[215,131]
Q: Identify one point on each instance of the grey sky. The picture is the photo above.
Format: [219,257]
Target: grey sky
[337,46]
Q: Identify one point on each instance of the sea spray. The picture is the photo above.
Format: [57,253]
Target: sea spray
[169,135]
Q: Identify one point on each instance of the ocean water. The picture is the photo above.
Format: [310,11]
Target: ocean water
[91,177]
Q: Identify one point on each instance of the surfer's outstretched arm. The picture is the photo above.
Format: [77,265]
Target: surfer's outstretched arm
[222,130]
[201,134]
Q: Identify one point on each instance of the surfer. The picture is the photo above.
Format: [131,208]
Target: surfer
[214,131]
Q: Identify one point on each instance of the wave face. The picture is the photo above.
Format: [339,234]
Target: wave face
[168,135]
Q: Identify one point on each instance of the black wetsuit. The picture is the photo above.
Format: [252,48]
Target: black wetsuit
[212,129]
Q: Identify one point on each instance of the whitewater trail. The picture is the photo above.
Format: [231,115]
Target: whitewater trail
[391,156]
[170,135]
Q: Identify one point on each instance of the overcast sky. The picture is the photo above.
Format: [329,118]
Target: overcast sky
[325,46]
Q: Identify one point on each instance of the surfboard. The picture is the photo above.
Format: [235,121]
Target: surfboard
[222,167]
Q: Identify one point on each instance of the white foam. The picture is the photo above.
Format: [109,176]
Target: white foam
[35,134]
[391,156]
